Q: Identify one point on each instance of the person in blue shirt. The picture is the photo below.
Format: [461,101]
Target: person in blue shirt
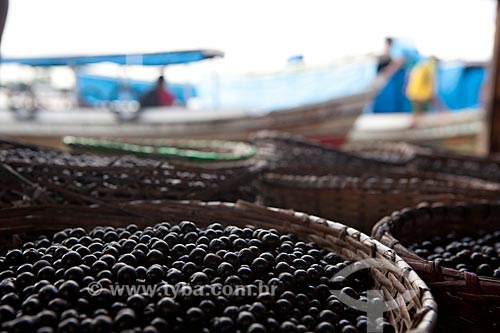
[402,56]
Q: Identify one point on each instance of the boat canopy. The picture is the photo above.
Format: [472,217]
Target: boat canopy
[145,59]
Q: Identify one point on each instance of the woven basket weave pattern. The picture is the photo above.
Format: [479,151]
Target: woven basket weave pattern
[360,201]
[44,176]
[424,159]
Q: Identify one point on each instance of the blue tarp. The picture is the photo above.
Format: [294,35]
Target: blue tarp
[93,89]
[391,98]
[146,59]
[459,87]
[287,89]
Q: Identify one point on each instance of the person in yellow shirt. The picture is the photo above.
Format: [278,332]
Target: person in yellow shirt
[422,87]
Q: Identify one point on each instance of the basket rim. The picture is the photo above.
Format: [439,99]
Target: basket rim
[182,149]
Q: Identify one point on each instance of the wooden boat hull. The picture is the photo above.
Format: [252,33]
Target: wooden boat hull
[457,130]
[333,118]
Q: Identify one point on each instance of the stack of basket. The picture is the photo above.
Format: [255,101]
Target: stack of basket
[477,167]
[292,154]
[359,201]
[356,186]
[426,159]
[37,175]
[359,185]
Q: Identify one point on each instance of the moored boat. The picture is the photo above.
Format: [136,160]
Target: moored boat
[324,116]
[457,130]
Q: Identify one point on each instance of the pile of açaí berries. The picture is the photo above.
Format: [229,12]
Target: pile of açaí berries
[477,253]
[45,286]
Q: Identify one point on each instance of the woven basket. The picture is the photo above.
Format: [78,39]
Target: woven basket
[420,159]
[467,302]
[46,176]
[393,276]
[464,165]
[45,184]
[292,154]
[362,201]
[40,155]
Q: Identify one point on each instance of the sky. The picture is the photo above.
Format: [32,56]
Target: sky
[253,34]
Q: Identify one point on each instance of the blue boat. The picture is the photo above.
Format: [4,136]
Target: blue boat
[98,91]
[95,91]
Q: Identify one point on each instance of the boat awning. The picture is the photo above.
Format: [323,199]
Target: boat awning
[145,59]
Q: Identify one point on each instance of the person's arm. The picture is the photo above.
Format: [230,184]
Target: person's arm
[4,8]
[393,67]
[398,59]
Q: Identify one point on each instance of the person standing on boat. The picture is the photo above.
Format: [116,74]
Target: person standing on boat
[401,56]
[422,85]
[158,96]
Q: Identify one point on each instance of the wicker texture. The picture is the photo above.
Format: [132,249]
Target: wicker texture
[361,201]
[467,302]
[397,153]
[471,166]
[394,277]
[32,175]
[420,159]
[292,154]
